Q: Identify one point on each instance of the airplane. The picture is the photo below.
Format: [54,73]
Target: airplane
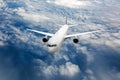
[55,41]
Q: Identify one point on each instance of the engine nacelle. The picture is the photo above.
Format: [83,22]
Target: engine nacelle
[75,40]
[45,40]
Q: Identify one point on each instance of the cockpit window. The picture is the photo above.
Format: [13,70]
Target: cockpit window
[51,45]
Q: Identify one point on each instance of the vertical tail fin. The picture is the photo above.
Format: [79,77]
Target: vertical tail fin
[66,21]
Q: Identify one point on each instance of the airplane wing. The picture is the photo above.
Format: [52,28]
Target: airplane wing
[40,32]
[79,34]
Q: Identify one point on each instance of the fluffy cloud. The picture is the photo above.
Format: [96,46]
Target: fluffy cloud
[1,43]
[71,3]
[50,70]
[3,38]
[2,4]
[69,69]
[31,16]
[118,75]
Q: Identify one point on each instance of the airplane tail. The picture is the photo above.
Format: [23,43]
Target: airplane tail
[70,25]
[66,21]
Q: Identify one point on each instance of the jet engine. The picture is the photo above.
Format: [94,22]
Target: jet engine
[75,40]
[45,40]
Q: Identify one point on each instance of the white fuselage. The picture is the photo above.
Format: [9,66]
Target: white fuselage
[56,40]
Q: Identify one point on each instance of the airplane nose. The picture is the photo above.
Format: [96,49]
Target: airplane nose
[51,50]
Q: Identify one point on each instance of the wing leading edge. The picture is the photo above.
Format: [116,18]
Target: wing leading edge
[67,36]
[40,32]
[79,34]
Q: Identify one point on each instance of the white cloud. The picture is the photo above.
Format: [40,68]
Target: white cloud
[20,35]
[3,38]
[31,16]
[71,3]
[1,43]
[65,57]
[118,76]
[2,4]
[69,69]
[91,74]
[85,51]
[50,70]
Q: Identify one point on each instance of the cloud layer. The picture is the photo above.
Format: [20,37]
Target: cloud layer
[31,16]
[23,56]
[71,3]
[2,4]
